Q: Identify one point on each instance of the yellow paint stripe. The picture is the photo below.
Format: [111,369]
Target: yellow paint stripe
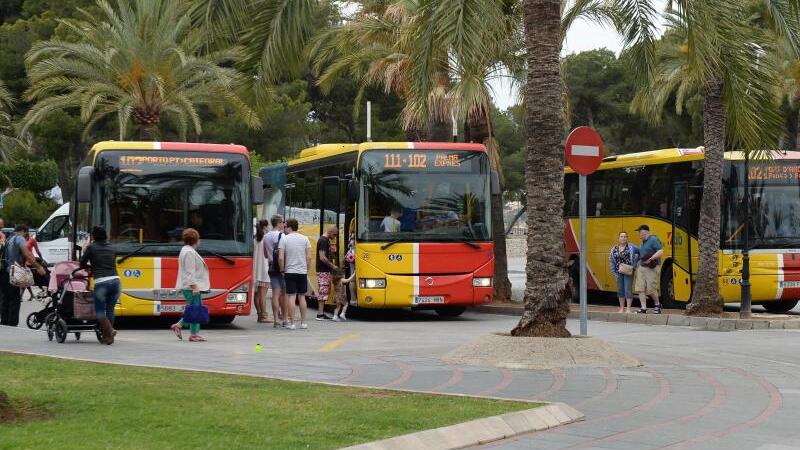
[335,344]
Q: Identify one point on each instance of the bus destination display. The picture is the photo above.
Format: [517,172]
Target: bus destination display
[775,172]
[422,160]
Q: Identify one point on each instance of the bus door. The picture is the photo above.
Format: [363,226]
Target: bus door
[680,241]
[330,209]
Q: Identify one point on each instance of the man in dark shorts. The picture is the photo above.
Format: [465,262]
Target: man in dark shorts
[325,265]
[295,258]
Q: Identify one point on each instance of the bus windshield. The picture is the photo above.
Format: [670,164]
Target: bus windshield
[145,198]
[409,195]
[774,206]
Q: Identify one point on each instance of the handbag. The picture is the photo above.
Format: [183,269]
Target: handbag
[196,313]
[625,269]
[21,276]
[83,305]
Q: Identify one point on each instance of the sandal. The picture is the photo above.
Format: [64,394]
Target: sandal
[196,338]
[177,330]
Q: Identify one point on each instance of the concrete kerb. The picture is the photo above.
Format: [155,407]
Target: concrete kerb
[678,320]
[481,431]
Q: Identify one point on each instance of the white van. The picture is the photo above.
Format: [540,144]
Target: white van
[52,236]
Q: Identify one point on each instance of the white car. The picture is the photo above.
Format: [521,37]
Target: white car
[52,236]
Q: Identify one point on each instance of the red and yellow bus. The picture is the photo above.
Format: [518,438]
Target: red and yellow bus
[663,189]
[436,251]
[145,194]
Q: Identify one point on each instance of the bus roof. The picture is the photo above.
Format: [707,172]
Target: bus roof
[324,151]
[673,155]
[181,146]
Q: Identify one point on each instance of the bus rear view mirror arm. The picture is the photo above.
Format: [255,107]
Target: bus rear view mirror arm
[258,190]
[352,191]
[495,183]
[83,192]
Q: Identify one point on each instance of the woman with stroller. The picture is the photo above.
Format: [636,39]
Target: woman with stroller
[193,279]
[101,258]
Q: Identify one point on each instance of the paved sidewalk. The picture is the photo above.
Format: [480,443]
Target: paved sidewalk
[697,389]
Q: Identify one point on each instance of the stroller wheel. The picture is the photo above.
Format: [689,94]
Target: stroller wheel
[50,333]
[99,333]
[61,331]
[77,336]
[33,321]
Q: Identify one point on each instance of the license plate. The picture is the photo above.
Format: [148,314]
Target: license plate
[172,308]
[428,300]
[790,284]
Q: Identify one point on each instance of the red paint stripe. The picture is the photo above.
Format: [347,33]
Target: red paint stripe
[404,376]
[198,147]
[775,402]
[447,146]
[508,377]
[714,403]
[664,388]
[558,382]
[355,372]
[611,387]
[455,378]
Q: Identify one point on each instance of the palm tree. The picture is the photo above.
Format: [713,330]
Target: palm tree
[8,136]
[139,62]
[712,50]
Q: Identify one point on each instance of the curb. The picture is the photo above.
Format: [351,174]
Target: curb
[676,320]
[480,431]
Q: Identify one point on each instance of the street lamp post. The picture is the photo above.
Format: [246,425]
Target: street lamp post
[746,304]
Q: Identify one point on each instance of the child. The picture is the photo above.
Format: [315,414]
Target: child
[340,296]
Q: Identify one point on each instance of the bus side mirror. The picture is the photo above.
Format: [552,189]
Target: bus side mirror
[352,191]
[257,186]
[83,193]
[495,183]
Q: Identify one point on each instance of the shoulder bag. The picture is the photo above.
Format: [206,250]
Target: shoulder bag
[21,276]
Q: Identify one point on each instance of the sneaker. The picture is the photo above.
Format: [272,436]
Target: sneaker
[303,326]
[336,319]
[291,326]
[642,311]
[342,317]
[322,317]
[657,309]
[277,324]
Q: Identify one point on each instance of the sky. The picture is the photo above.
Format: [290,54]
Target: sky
[581,36]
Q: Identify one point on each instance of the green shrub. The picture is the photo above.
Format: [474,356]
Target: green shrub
[23,207]
[34,176]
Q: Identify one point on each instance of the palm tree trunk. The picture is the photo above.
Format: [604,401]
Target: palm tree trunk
[480,130]
[547,292]
[706,299]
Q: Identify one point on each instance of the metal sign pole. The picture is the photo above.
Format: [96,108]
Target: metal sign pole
[582,268]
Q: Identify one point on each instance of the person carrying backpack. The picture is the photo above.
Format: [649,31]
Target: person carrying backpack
[12,276]
[277,281]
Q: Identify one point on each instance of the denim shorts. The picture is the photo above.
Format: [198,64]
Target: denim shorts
[276,281]
[625,286]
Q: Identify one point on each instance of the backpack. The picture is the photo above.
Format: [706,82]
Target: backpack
[274,265]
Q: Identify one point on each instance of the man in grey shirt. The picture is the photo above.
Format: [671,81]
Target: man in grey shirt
[295,258]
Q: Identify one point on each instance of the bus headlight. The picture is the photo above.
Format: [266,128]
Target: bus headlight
[482,282]
[239,294]
[372,283]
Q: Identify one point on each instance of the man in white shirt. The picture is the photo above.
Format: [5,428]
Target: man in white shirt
[295,258]
[390,223]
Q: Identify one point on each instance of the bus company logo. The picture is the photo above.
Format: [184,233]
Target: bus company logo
[132,273]
[429,281]
[365,256]
[395,257]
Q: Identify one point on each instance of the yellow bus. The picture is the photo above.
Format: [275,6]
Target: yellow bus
[662,189]
[436,253]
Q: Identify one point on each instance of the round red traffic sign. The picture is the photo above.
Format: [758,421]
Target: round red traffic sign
[584,150]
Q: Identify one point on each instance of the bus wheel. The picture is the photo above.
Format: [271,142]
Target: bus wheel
[574,276]
[667,293]
[454,311]
[779,307]
[222,320]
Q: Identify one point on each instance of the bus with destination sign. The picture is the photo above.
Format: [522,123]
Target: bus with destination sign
[145,194]
[420,214]
[663,190]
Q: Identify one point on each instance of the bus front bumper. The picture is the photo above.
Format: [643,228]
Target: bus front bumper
[428,292]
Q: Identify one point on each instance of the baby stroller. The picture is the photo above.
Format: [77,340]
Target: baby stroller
[72,303]
[38,318]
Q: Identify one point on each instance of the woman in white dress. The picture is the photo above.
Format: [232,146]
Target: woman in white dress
[260,271]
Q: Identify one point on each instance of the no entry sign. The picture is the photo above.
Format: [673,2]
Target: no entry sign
[584,150]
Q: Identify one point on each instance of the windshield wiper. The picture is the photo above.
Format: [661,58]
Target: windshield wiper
[396,241]
[471,244]
[142,247]
[217,255]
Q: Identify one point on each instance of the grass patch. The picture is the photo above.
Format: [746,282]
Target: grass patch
[89,405]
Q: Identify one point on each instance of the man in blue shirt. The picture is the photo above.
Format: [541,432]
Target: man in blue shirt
[16,251]
[647,274]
